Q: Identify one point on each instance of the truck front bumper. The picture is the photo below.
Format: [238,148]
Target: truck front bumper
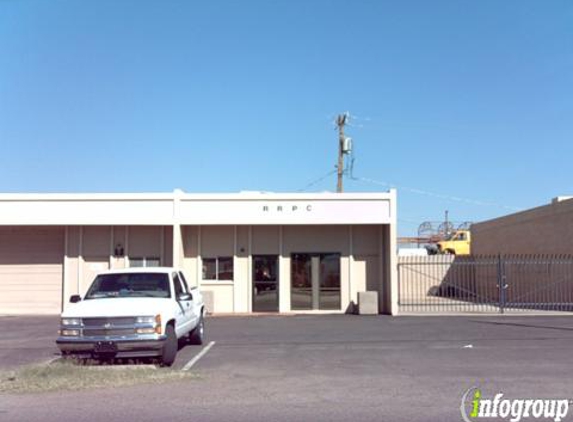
[121,347]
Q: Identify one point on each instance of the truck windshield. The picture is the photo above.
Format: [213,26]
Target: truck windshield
[129,285]
[453,236]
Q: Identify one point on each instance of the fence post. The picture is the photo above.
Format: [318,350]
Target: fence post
[501,283]
[399,283]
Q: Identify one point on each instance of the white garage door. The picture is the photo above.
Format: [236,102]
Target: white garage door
[31,270]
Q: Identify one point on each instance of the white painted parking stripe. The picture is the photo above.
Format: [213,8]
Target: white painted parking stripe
[199,355]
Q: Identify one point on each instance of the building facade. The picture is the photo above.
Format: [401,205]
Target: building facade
[247,252]
[543,230]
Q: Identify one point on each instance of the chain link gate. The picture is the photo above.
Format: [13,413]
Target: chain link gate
[485,284]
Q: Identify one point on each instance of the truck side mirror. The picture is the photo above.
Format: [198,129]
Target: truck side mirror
[185,296]
[75,298]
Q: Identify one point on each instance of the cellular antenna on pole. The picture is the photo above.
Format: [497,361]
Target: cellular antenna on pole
[344,147]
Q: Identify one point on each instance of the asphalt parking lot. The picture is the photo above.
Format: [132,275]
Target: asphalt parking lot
[27,339]
[320,368]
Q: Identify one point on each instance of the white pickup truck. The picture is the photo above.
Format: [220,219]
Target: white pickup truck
[133,312]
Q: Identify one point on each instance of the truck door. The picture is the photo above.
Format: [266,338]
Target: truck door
[183,312]
[195,305]
[462,244]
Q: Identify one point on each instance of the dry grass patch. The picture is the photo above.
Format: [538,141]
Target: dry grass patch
[68,375]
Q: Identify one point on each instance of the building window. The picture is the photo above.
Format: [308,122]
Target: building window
[144,262]
[220,268]
[209,268]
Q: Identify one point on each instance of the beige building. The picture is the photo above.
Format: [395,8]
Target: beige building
[248,252]
[543,230]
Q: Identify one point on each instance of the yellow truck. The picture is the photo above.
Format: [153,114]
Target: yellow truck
[457,243]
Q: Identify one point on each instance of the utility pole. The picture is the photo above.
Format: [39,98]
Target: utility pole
[447,221]
[340,121]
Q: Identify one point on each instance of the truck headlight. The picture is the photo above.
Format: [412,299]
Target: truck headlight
[145,320]
[153,321]
[145,330]
[71,321]
[69,332]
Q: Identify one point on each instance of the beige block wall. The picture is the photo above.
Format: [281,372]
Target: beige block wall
[223,296]
[90,249]
[211,242]
[266,240]
[361,265]
[365,260]
[190,253]
[145,241]
[96,250]
[317,239]
[388,282]
[243,286]
[449,281]
[217,241]
[72,269]
[92,265]
[421,278]
[97,241]
[446,283]
[284,279]
[119,234]
[167,254]
[543,230]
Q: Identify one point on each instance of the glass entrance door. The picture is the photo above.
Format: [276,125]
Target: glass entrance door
[265,283]
[315,281]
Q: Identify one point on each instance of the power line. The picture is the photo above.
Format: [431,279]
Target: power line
[316,181]
[436,195]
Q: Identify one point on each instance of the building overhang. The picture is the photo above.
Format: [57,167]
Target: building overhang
[179,208]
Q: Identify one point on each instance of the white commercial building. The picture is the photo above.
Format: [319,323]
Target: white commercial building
[248,252]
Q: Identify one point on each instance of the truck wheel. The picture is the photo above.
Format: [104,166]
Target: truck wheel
[196,336]
[170,347]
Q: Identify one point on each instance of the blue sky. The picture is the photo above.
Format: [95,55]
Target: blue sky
[462,105]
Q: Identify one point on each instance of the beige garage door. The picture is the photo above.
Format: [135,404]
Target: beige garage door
[31,270]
